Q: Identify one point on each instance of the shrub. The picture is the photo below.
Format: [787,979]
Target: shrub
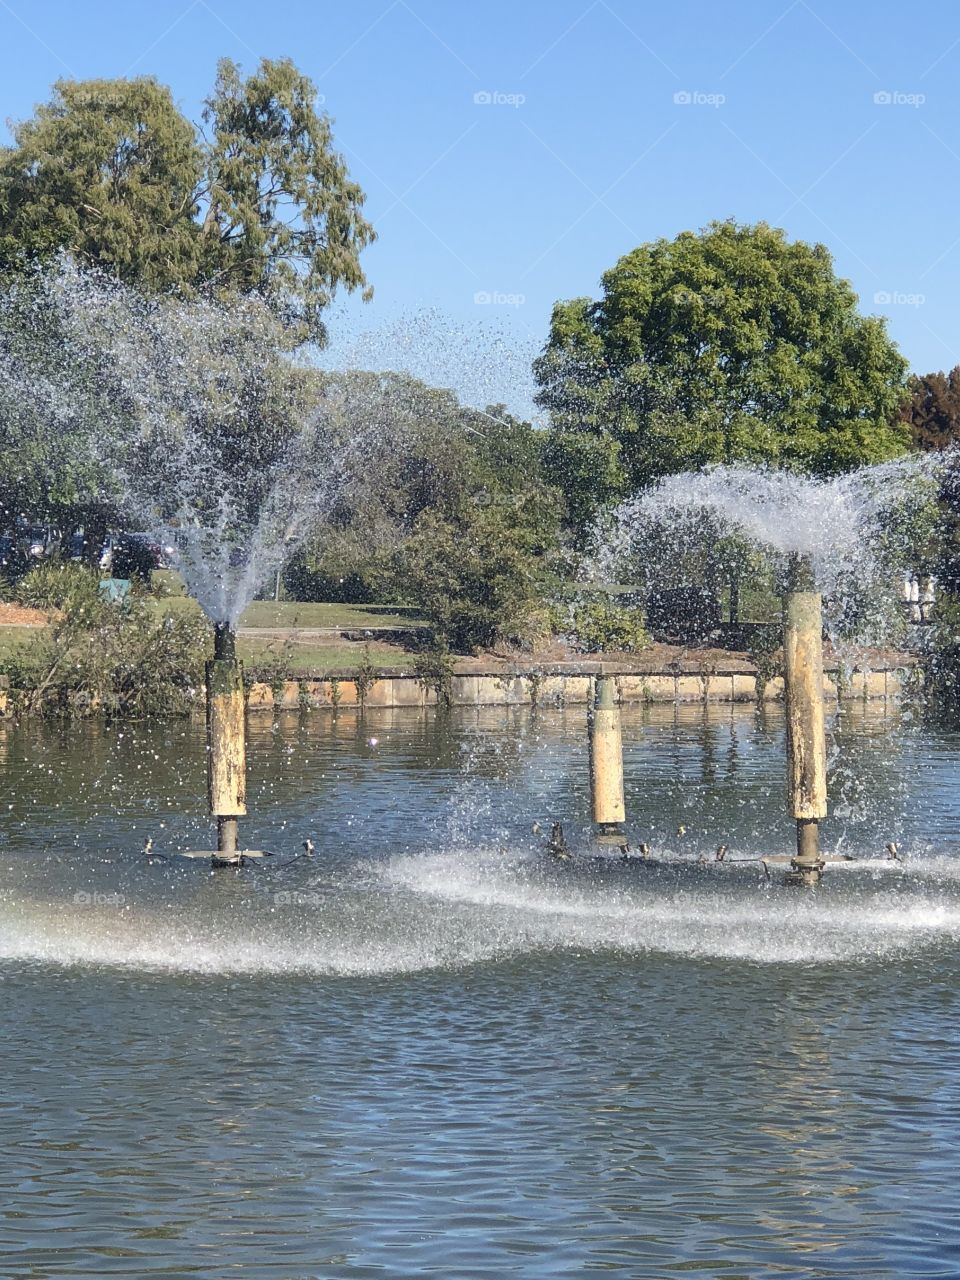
[434,671]
[941,661]
[124,660]
[53,585]
[597,625]
[474,577]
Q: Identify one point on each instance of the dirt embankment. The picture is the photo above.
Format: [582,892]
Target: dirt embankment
[15,615]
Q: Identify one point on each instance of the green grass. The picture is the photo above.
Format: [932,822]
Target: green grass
[265,654]
[293,615]
[14,638]
[268,613]
[316,659]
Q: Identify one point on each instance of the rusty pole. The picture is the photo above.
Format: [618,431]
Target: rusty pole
[806,737]
[226,742]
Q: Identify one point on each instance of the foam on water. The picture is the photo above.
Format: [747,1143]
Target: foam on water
[449,909]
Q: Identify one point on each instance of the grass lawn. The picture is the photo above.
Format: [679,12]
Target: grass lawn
[290,614]
[266,654]
[14,638]
[316,659]
[268,613]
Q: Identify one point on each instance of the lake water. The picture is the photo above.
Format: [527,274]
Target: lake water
[429,1051]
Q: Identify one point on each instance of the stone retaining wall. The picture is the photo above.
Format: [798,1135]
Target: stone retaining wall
[555,689]
[547,688]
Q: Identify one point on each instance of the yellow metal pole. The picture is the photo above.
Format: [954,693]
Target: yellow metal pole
[806,736]
[226,742]
[606,763]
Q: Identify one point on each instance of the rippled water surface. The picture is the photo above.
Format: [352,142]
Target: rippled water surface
[429,1051]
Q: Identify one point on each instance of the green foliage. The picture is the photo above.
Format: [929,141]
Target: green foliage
[933,410]
[597,625]
[942,659]
[52,585]
[123,660]
[364,676]
[472,575]
[732,345]
[283,218]
[111,171]
[433,668]
[430,456]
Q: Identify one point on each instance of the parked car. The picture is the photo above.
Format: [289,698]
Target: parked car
[78,546]
[130,555]
[37,541]
[8,553]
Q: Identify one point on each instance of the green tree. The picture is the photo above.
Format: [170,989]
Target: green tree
[112,172]
[428,454]
[933,410]
[729,345]
[477,576]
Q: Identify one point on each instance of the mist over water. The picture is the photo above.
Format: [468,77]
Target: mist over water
[430,865]
[197,424]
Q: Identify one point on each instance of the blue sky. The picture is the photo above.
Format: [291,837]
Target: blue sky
[512,151]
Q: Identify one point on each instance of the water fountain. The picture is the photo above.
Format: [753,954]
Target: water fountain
[824,537]
[205,432]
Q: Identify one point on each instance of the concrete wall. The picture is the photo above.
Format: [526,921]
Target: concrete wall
[556,688]
[560,689]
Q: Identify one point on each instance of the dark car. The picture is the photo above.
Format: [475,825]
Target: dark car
[37,541]
[8,553]
[130,555]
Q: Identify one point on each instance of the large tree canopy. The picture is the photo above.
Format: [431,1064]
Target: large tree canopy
[259,201]
[729,345]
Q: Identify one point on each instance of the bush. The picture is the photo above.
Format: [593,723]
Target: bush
[474,577]
[597,625]
[53,585]
[124,660]
[433,668]
[941,662]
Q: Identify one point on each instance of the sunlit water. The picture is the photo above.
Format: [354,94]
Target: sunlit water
[427,1051]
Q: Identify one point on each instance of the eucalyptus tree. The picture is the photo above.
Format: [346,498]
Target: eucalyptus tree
[255,198]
